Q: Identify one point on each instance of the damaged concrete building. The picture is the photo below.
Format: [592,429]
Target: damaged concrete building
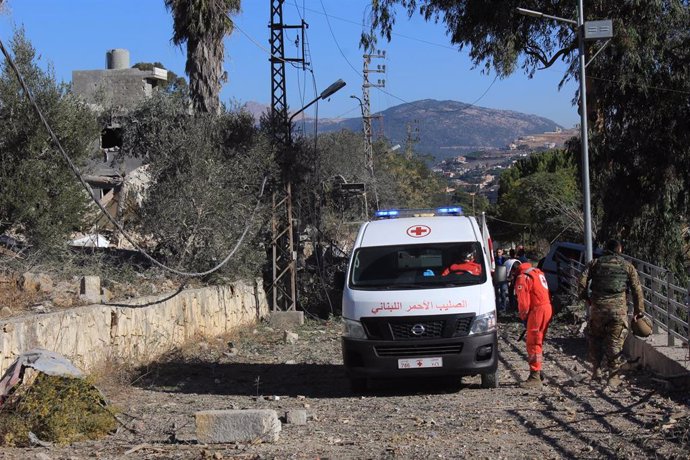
[115,179]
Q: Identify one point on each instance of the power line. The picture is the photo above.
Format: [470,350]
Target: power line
[348,62]
[507,221]
[655,88]
[349,21]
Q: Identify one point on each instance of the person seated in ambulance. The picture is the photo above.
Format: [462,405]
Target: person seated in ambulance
[467,265]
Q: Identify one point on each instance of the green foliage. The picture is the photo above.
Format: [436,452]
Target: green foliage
[498,37]
[406,181]
[640,155]
[56,409]
[400,180]
[206,176]
[637,96]
[329,218]
[471,203]
[542,192]
[40,198]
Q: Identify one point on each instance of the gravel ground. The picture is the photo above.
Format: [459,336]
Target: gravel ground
[397,419]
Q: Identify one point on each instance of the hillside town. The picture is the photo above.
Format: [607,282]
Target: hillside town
[477,172]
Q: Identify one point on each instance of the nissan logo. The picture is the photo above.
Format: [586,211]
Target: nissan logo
[418,329]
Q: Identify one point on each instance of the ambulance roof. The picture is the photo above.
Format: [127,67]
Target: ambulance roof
[418,230]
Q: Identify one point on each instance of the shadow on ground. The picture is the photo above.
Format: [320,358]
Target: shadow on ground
[310,380]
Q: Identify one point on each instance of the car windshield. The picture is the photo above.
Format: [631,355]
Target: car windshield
[418,266]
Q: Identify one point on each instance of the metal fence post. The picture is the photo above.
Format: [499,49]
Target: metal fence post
[654,313]
[669,281]
[687,315]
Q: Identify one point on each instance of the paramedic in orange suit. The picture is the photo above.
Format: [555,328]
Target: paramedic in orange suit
[534,306]
[467,266]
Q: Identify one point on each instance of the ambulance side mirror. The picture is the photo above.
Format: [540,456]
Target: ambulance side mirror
[500,275]
[339,280]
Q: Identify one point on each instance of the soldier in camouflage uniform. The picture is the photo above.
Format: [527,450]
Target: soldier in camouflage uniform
[604,283]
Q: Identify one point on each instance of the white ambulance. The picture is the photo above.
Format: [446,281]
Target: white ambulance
[419,300]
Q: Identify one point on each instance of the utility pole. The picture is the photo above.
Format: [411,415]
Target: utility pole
[366,109]
[284,275]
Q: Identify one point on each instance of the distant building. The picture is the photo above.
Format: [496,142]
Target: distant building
[117,88]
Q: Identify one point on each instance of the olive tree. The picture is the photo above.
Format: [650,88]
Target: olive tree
[41,200]
[207,171]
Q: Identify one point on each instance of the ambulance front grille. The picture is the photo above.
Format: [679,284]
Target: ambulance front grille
[424,330]
[463,325]
[418,350]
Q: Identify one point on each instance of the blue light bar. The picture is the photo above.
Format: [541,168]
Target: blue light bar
[387,213]
[450,211]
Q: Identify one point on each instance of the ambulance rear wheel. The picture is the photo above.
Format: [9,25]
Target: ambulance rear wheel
[490,380]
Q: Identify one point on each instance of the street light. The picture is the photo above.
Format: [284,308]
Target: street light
[599,30]
[325,94]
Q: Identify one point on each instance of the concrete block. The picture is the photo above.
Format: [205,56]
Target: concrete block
[296,417]
[220,426]
[286,319]
[90,289]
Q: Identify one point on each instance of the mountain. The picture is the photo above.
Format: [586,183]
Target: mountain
[443,129]
[446,129]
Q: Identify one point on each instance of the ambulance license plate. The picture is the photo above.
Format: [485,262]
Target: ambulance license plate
[419,363]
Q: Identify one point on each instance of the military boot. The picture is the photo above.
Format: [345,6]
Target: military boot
[614,381]
[533,381]
[595,375]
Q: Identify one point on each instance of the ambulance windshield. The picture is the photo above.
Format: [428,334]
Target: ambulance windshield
[418,266]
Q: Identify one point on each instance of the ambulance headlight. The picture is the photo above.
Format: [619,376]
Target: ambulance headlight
[484,323]
[353,329]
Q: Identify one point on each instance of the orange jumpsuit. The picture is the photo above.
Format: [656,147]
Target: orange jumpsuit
[469,266]
[534,305]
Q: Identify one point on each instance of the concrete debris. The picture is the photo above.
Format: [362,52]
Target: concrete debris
[290,337]
[296,417]
[36,282]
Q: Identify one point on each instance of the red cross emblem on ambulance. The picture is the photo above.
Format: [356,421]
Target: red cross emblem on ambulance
[418,231]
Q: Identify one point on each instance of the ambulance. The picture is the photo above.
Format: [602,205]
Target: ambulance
[411,304]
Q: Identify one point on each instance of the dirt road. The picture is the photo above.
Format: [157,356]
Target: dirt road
[408,420]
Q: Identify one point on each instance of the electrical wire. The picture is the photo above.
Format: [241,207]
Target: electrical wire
[258,45]
[348,61]
[420,40]
[86,187]
[655,88]
[506,221]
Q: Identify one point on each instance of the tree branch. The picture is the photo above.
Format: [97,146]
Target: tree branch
[537,53]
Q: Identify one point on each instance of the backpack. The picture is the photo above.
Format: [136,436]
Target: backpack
[608,275]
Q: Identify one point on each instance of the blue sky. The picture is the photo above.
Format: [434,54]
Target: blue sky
[420,63]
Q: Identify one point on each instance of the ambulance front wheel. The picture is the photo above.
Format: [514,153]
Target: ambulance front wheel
[490,380]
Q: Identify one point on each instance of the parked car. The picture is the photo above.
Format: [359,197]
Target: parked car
[560,259]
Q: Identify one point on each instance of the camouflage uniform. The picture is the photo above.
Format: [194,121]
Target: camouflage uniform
[608,278]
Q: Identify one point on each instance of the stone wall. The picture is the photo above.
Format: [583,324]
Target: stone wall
[136,331]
